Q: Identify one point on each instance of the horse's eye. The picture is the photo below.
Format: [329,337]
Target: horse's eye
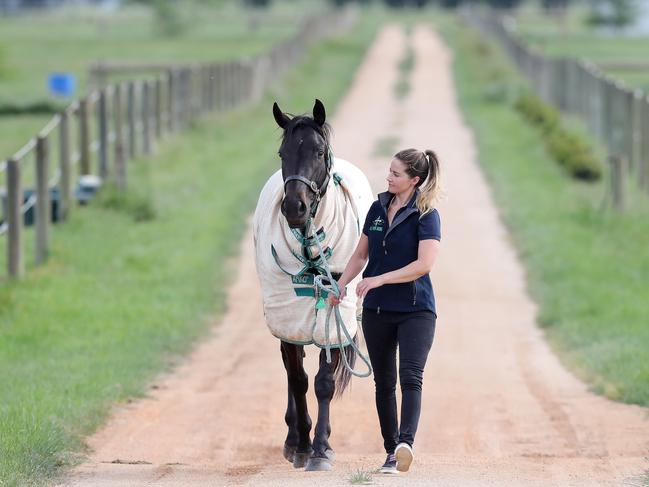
[320,153]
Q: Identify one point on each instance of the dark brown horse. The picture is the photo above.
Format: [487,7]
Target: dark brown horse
[306,169]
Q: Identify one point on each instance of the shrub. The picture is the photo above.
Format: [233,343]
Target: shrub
[538,113]
[573,152]
[570,149]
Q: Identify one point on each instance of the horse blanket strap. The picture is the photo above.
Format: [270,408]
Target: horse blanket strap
[288,259]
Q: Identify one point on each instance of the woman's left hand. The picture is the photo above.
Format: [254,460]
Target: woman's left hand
[367,284]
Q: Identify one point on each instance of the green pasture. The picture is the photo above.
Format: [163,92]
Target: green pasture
[68,40]
[587,266]
[123,297]
[575,38]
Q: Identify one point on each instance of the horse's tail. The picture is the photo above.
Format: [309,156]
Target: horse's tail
[342,374]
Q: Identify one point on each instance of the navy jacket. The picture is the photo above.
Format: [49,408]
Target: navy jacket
[395,247]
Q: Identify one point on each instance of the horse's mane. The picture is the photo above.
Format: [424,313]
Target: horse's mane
[303,120]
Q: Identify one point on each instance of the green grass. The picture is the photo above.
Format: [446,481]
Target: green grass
[68,40]
[405,66]
[120,300]
[17,130]
[360,477]
[386,146]
[588,268]
[582,41]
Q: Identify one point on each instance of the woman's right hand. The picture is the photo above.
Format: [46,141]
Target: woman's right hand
[333,301]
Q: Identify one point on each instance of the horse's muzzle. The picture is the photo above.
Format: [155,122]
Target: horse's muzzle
[296,211]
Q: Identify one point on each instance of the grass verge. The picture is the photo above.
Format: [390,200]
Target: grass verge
[119,301]
[588,268]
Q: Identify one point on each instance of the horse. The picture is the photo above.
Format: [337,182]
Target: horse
[328,197]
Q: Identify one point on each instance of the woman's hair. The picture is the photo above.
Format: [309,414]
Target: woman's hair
[426,166]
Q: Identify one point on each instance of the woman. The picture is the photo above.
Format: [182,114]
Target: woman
[399,244]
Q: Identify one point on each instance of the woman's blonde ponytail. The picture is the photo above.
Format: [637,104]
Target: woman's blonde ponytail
[429,192]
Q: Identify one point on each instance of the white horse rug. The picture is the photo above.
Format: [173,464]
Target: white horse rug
[290,300]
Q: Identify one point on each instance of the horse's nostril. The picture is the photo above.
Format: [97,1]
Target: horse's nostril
[301,207]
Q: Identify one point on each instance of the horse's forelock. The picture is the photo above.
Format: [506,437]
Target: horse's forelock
[303,120]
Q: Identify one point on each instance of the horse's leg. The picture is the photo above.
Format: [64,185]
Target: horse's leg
[298,383]
[290,444]
[325,386]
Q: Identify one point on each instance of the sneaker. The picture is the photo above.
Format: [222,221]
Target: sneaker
[404,456]
[390,465]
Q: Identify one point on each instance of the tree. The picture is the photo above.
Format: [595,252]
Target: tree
[258,3]
[502,4]
[168,20]
[618,13]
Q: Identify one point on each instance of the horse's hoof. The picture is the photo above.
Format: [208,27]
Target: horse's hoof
[317,464]
[330,454]
[289,452]
[300,459]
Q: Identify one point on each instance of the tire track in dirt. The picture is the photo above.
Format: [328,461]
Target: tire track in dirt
[498,408]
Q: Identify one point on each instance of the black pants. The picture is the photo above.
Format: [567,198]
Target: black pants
[413,333]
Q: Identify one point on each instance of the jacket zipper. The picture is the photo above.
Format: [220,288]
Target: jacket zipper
[414,296]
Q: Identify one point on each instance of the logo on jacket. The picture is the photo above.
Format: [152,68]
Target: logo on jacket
[377,225]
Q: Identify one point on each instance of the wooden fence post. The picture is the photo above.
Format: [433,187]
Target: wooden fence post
[171,101]
[158,107]
[616,126]
[197,89]
[627,123]
[84,137]
[182,98]
[220,83]
[204,77]
[146,119]
[637,129]
[16,264]
[132,120]
[120,149]
[43,202]
[238,85]
[618,169]
[211,87]
[65,186]
[191,93]
[644,160]
[227,98]
[103,134]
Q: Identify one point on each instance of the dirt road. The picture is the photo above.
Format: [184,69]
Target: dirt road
[498,408]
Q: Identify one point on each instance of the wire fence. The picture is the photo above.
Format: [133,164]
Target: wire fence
[101,132]
[615,114]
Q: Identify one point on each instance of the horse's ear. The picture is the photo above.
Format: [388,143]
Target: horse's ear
[281,119]
[319,114]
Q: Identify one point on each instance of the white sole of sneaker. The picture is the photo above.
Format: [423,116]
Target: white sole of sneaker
[388,471]
[404,457]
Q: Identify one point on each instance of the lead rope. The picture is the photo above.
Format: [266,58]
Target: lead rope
[333,289]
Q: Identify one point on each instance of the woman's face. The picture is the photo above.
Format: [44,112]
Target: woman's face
[398,180]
